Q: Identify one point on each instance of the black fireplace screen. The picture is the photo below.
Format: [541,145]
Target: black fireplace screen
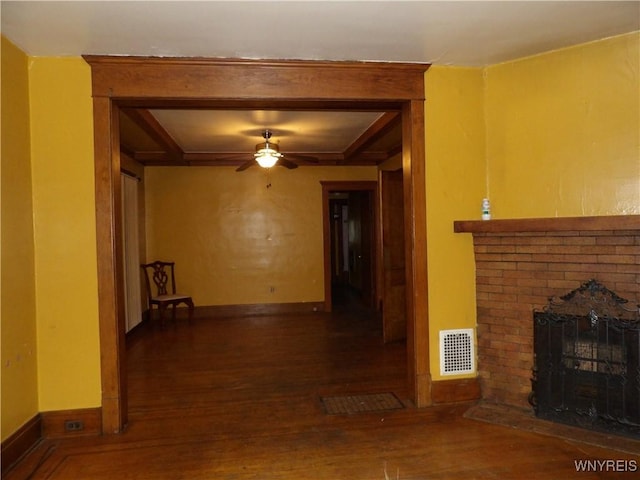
[587,361]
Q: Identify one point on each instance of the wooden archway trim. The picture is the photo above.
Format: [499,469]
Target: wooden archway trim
[189,83]
[148,77]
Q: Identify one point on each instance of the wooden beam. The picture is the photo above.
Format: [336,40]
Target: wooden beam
[304,105]
[223,159]
[127,150]
[154,77]
[147,122]
[394,151]
[159,158]
[376,131]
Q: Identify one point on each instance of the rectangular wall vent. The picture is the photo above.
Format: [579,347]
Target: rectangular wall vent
[457,352]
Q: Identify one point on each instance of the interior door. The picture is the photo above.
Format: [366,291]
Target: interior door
[393,272]
[367,248]
[355,241]
[339,241]
[361,245]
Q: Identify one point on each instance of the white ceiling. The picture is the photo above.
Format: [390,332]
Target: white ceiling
[465,33]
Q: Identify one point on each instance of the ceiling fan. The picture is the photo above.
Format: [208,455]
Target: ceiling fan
[268,154]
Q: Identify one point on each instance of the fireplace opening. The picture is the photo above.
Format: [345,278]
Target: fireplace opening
[587,361]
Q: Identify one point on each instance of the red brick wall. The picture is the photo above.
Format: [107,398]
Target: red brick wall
[518,272]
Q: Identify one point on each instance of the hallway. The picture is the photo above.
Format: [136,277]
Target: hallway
[239,398]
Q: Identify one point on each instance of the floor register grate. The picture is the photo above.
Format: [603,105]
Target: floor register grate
[367,403]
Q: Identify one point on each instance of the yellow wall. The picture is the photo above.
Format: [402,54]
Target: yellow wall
[564,132]
[539,122]
[232,238]
[552,135]
[65,233]
[18,310]
[455,187]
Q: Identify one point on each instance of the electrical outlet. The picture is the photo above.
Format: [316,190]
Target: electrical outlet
[73,425]
[272,289]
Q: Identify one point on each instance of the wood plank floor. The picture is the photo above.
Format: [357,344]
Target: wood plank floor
[239,398]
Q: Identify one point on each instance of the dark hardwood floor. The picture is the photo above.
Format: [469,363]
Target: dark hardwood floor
[239,398]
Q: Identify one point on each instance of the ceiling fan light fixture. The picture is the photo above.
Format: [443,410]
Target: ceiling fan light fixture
[267,154]
[267,159]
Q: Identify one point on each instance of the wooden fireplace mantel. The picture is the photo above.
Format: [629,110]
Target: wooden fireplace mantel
[555,224]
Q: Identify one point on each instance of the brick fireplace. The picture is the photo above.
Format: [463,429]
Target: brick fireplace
[520,264]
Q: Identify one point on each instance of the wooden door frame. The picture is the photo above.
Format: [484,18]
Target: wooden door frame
[234,83]
[385,234]
[348,186]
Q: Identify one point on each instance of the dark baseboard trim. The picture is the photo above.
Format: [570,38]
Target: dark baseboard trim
[20,442]
[257,309]
[88,421]
[219,311]
[454,391]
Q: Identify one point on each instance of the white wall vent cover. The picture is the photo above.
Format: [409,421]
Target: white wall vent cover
[457,353]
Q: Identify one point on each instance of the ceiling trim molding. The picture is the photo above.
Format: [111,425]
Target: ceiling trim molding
[148,60]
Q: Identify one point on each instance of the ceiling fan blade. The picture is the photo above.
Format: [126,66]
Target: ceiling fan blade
[304,158]
[245,165]
[287,163]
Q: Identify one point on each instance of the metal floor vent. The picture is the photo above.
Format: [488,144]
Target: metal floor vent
[367,403]
[457,353]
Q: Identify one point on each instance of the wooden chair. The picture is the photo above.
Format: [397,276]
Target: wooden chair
[163,277]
